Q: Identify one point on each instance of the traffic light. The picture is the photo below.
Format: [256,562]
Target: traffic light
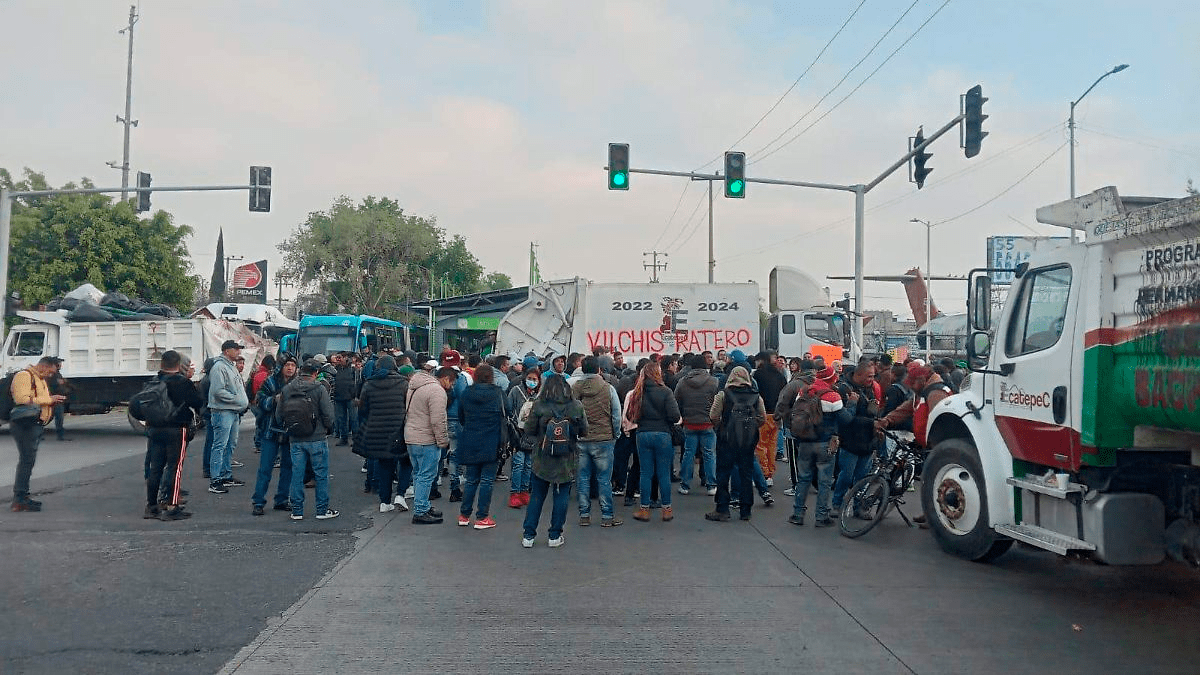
[920,171]
[143,198]
[735,174]
[618,166]
[973,132]
[260,189]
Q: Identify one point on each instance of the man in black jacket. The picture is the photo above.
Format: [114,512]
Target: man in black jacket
[857,436]
[275,446]
[168,443]
[345,388]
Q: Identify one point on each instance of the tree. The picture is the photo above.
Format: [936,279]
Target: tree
[216,286]
[452,262]
[362,258]
[63,241]
[1191,189]
[497,281]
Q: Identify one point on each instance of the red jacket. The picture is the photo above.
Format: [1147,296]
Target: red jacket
[256,381]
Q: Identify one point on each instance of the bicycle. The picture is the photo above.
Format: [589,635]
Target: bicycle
[870,499]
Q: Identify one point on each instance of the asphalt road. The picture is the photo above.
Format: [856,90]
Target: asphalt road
[91,587]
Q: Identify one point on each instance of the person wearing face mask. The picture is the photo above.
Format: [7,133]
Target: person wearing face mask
[520,403]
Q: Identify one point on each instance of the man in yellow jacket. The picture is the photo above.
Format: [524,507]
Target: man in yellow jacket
[29,388]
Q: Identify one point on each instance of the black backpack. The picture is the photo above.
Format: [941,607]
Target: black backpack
[740,420]
[557,439]
[298,413]
[806,415]
[6,399]
[153,405]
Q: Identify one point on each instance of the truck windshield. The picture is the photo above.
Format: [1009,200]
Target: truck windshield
[27,344]
[823,327]
[325,339]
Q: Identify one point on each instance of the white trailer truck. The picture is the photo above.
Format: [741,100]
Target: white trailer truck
[1079,431]
[106,362]
[575,315]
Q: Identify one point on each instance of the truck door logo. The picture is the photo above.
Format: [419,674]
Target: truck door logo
[1018,398]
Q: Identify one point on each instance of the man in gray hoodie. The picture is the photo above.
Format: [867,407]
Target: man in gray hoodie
[226,401]
[603,411]
[308,446]
[695,393]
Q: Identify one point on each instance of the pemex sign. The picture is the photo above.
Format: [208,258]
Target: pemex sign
[249,283]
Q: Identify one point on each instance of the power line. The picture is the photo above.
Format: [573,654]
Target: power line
[1186,153]
[695,229]
[1005,190]
[856,88]
[789,89]
[667,227]
[686,222]
[845,77]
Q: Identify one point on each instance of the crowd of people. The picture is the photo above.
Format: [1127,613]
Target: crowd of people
[594,425]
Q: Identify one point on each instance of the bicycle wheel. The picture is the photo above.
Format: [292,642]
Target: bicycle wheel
[865,505]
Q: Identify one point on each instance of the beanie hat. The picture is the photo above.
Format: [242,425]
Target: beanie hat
[385,362]
[530,362]
[407,369]
[738,356]
[827,373]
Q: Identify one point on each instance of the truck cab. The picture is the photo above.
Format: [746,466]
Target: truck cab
[26,344]
[1079,431]
[819,332]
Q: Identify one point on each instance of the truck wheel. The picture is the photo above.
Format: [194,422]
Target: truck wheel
[955,500]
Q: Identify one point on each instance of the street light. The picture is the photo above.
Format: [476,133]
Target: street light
[1071,123]
[928,304]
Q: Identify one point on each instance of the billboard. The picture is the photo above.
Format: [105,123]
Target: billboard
[249,283]
[1010,251]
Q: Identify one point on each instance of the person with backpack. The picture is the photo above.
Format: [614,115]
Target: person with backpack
[306,413]
[168,424]
[32,407]
[521,396]
[737,412]
[275,446]
[856,433]
[483,416]
[694,394]
[382,410]
[603,411]
[555,424]
[812,413]
[653,408]
[226,401]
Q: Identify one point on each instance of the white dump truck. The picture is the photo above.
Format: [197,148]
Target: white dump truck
[1079,430]
[575,315]
[106,362]
[804,321]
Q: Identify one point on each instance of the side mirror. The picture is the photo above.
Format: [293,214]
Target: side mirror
[980,306]
[979,346]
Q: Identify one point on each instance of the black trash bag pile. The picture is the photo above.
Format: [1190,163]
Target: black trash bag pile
[81,307]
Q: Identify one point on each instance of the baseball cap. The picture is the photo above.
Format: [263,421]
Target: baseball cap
[320,359]
[231,344]
[431,365]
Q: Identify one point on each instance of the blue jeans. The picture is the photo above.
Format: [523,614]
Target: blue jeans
[345,419]
[706,439]
[779,443]
[810,458]
[852,468]
[596,456]
[537,497]
[478,477]
[272,448]
[316,453]
[224,432]
[425,466]
[656,455]
[522,469]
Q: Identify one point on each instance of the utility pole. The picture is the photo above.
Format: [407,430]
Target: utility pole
[227,259]
[655,266]
[535,274]
[127,121]
[279,284]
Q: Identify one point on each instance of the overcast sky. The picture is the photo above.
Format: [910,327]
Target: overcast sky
[495,118]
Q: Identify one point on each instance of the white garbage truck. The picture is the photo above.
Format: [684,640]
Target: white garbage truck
[575,315]
[1079,429]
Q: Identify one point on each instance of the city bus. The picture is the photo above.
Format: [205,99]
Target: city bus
[346,333]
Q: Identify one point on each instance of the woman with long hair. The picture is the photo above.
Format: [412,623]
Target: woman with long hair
[521,396]
[652,407]
[555,456]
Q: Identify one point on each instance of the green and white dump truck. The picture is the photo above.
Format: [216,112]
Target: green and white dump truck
[1079,431]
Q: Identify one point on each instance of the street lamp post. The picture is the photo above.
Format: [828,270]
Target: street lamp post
[1071,123]
[928,303]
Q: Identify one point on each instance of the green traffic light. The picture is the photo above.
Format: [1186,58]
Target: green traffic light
[618,179]
[735,187]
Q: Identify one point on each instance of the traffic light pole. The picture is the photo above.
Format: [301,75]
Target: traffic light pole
[6,202]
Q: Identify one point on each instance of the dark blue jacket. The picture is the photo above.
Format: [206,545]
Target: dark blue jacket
[482,409]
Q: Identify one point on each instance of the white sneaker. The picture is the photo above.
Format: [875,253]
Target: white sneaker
[770,482]
[409,492]
[555,543]
[527,543]
[384,508]
[683,490]
[399,503]
[329,513]
[791,492]
[712,491]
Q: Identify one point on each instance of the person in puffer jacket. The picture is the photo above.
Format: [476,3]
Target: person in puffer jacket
[695,393]
[815,455]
